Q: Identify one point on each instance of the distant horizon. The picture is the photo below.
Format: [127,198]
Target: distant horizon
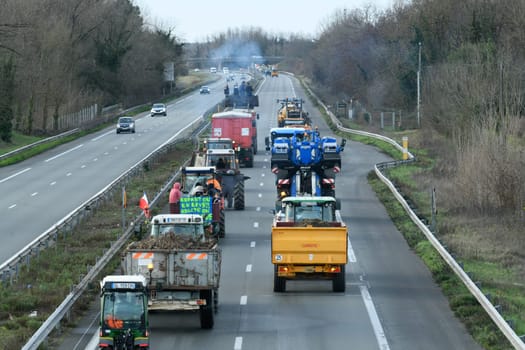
[196,22]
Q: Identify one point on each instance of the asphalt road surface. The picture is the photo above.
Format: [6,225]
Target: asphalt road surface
[390,301]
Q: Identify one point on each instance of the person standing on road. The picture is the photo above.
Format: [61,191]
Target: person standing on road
[175,195]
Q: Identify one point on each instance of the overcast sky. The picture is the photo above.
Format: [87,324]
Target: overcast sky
[194,20]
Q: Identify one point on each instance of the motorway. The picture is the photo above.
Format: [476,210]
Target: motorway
[390,301]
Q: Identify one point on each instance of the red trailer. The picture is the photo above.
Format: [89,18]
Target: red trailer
[240,126]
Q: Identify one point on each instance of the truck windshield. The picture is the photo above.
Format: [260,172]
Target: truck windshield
[192,230]
[124,309]
[302,212]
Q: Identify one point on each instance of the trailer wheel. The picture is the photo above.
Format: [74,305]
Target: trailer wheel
[222,225]
[238,195]
[339,281]
[206,311]
[215,300]
[279,283]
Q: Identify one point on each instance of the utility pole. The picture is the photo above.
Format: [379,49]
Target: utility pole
[419,87]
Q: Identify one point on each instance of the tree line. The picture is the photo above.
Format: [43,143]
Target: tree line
[58,56]
[61,55]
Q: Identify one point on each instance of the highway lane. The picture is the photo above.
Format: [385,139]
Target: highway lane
[390,301]
[40,191]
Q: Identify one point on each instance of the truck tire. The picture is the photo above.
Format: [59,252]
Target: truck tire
[206,311]
[215,300]
[222,225]
[279,283]
[238,196]
[339,281]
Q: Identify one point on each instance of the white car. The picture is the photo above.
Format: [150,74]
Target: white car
[158,109]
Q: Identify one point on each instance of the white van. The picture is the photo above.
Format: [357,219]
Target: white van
[226,70]
[213,70]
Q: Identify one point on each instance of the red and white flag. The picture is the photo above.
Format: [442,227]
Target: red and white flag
[144,204]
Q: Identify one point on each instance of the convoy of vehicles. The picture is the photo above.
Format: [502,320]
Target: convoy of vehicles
[181,263]
[177,267]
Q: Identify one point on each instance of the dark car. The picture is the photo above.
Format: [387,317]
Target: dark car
[205,90]
[125,124]
[158,109]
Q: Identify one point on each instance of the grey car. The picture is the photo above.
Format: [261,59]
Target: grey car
[158,109]
[125,124]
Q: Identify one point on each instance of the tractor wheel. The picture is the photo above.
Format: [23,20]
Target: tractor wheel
[206,311]
[222,224]
[279,283]
[339,281]
[238,195]
[215,300]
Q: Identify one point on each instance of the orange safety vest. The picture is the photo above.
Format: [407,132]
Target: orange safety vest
[215,183]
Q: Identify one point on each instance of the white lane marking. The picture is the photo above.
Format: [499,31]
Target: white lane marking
[374,319]
[11,206]
[15,174]
[106,153]
[34,194]
[351,255]
[238,343]
[252,244]
[263,174]
[69,174]
[244,299]
[249,268]
[259,195]
[261,184]
[258,209]
[115,148]
[255,225]
[83,166]
[61,154]
[53,183]
[101,136]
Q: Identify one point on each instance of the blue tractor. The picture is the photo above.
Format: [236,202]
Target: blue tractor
[306,163]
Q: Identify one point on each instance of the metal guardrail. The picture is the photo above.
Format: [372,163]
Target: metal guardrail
[43,240]
[493,313]
[41,142]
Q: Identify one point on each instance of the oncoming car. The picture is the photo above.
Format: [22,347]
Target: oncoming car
[158,109]
[205,90]
[125,124]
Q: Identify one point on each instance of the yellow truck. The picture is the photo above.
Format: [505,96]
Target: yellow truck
[309,241]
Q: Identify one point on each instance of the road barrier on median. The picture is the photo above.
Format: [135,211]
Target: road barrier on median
[12,266]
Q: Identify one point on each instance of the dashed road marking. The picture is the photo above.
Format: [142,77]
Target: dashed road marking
[238,343]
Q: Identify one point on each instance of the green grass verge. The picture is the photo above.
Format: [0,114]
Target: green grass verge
[462,303]
[47,280]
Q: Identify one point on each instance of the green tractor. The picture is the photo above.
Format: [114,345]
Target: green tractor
[124,321]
